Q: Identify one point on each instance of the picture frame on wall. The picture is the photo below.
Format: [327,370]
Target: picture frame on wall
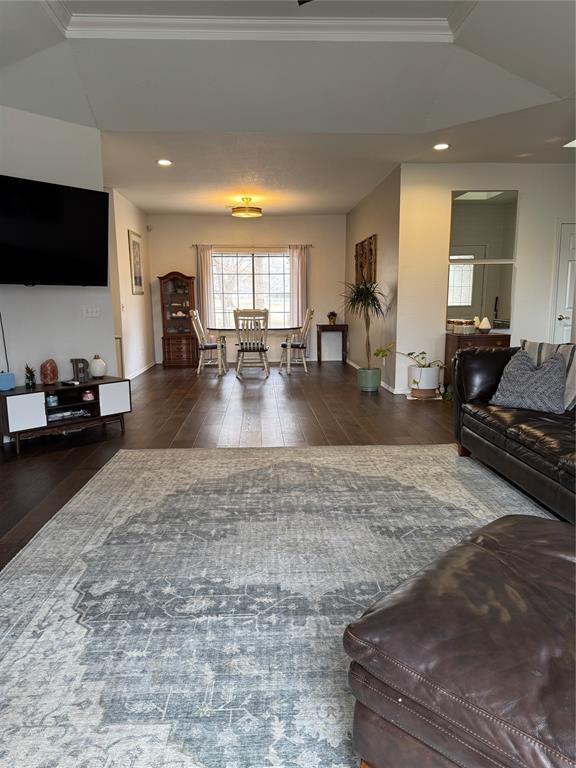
[136,268]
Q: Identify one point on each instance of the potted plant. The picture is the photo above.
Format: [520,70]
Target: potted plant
[366,301]
[332,316]
[423,376]
[384,352]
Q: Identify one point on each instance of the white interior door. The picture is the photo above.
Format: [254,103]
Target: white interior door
[564,310]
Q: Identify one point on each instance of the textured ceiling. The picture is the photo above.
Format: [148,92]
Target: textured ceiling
[307,125]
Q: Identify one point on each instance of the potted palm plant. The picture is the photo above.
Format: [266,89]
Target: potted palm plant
[366,301]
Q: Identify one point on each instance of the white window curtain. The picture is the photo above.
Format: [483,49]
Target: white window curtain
[298,283]
[205,285]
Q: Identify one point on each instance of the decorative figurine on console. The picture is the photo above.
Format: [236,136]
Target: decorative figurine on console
[98,367]
[49,372]
[30,377]
[81,369]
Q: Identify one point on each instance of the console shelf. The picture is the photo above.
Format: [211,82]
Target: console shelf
[24,412]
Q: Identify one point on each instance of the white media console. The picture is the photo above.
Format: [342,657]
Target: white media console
[58,408]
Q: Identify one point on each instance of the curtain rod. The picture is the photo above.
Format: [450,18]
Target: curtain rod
[256,247]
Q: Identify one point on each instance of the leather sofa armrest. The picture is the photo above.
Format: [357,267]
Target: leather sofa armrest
[476,373]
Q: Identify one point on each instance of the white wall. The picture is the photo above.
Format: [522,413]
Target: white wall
[42,322]
[170,246]
[545,198]
[132,313]
[378,213]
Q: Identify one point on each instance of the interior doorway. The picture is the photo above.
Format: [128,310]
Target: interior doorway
[564,320]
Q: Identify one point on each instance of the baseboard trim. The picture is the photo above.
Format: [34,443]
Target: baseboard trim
[141,371]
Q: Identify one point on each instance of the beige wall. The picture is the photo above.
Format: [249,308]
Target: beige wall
[378,213]
[50,321]
[171,240]
[132,313]
[545,198]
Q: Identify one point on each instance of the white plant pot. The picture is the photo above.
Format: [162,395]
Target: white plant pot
[423,382]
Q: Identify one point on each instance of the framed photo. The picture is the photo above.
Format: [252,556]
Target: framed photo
[365,257]
[135,247]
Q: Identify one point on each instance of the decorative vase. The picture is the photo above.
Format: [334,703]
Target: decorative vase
[98,367]
[332,319]
[369,379]
[423,382]
[485,326]
[49,372]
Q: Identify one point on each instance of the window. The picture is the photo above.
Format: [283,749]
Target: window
[460,285]
[259,280]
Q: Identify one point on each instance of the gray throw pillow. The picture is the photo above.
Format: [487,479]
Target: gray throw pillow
[541,350]
[535,388]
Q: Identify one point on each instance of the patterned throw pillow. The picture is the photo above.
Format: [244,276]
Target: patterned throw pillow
[540,351]
[527,385]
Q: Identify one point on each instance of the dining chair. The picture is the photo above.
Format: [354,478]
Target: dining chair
[297,341]
[252,332]
[204,345]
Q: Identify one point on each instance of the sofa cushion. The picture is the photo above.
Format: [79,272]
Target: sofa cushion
[540,351]
[483,640]
[524,384]
[545,441]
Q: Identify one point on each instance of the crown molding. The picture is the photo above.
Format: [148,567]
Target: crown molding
[86,26]
[59,14]
[459,16]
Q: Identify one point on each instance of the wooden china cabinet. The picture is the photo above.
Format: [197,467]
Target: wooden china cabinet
[179,343]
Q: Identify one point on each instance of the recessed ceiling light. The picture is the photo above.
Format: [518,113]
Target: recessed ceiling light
[525,154]
[477,195]
[571,144]
[164,162]
[441,147]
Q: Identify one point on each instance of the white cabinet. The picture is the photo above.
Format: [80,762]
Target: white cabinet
[114,398]
[26,411]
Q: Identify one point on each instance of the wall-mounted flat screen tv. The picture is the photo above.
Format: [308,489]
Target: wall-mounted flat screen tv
[51,234]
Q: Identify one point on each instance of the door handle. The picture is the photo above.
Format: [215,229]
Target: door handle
[563,317]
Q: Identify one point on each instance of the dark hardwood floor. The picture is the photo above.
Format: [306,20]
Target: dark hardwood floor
[177,409]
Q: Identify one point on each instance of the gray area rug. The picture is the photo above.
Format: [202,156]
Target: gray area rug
[186,608]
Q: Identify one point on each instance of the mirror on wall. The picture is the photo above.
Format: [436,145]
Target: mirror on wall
[481,258]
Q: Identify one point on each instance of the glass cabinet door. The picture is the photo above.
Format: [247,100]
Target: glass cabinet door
[176,302]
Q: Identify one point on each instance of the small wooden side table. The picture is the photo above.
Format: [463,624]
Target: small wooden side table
[327,328]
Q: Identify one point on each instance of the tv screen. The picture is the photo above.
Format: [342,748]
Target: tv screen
[51,234]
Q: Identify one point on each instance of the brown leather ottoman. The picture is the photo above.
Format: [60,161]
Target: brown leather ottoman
[470,663]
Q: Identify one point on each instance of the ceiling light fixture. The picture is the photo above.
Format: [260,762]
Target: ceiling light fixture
[164,162]
[246,211]
[571,144]
[442,147]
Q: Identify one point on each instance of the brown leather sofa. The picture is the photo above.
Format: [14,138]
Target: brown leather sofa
[470,663]
[532,449]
